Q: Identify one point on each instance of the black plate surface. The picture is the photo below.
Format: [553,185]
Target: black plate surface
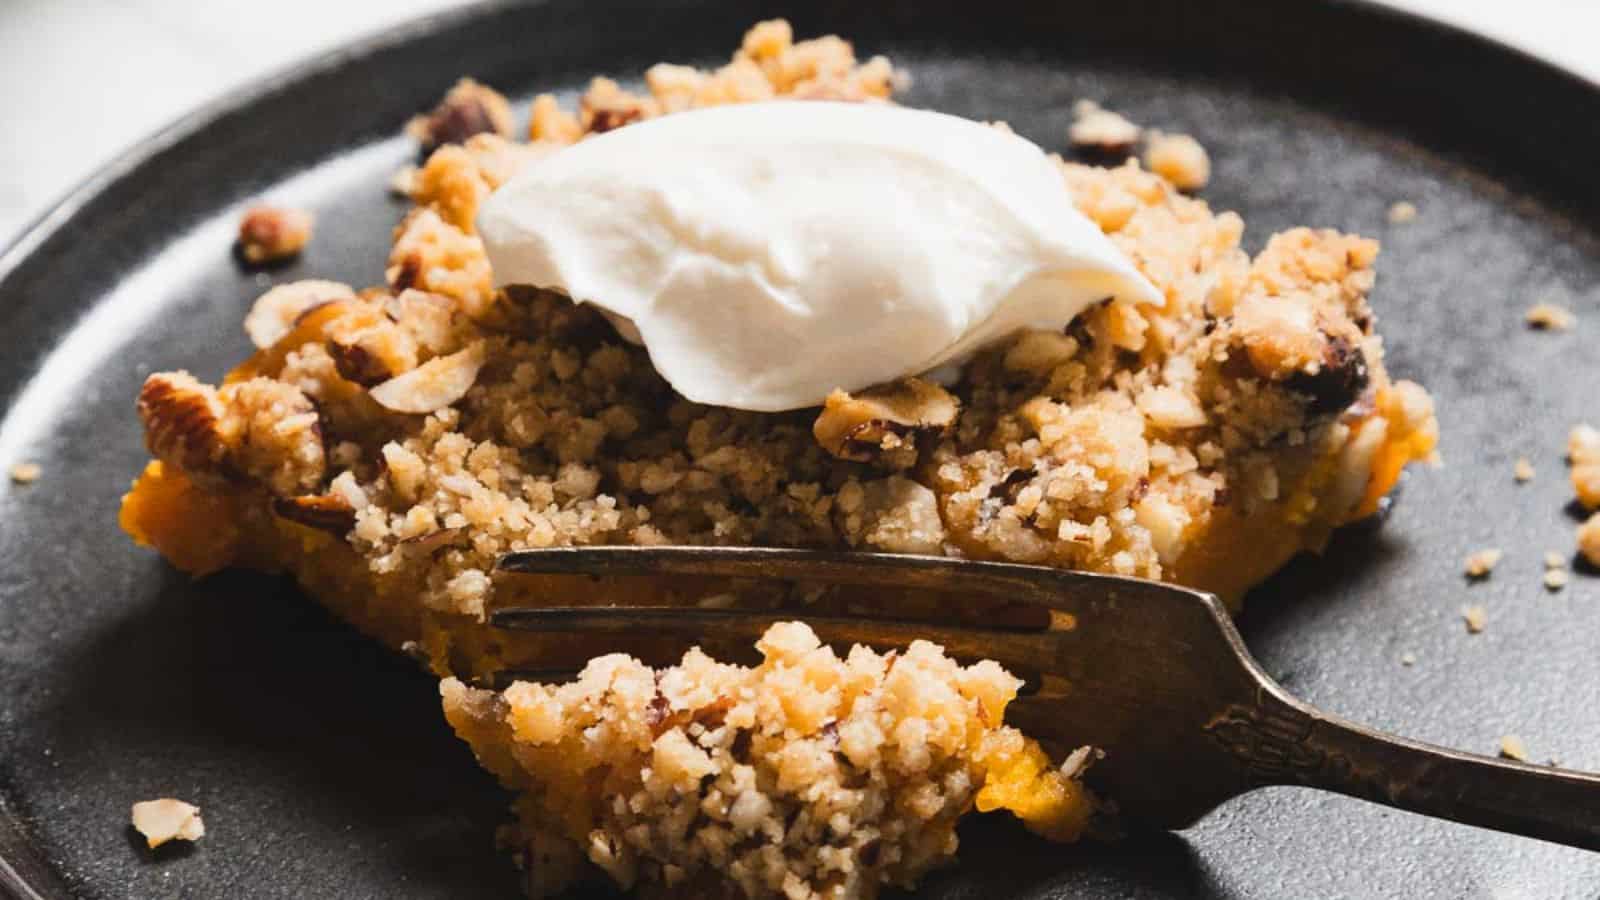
[321,762]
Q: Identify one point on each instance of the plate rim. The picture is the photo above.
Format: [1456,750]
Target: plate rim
[25,872]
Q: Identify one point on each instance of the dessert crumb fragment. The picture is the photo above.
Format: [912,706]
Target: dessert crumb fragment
[1555,579]
[273,233]
[1097,129]
[1179,159]
[1480,563]
[1511,747]
[1554,560]
[404,181]
[1583,452]
[26,472]
[1408,659]
[1550,317]
[1589,540]
[470,108]
[1476,617]
[1402,212]
[1079,761]
[1522,470]
[167,819]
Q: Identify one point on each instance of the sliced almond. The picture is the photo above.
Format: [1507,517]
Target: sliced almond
[167,819]
[275,312]
[433,385]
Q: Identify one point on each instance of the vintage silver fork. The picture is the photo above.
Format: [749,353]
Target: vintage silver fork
[1153,674]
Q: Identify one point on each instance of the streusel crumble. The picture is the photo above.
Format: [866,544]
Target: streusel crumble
[386,445]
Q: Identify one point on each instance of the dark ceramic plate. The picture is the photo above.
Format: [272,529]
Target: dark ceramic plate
[321,761]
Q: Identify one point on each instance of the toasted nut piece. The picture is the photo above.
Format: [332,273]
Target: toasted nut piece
[469,108]
[433,385]
[549,122]
[606,107]
[26,472]
[272,233]
[167,819]
[1481,562]
[1401,212]
[1339,378]
[1179,159]
[325,512]
[1101,131]
[1550,317]
[182,422]
[882,418]
[368,348]
[275,312]
[309,327]
[429,317]
[1589,540]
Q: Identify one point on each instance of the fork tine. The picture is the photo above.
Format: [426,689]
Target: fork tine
[1008,646]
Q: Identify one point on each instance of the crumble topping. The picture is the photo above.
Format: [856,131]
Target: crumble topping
[1402,212]
[1102,131]
[810,775]
[26,472]
[1481,562]
[166,820]
[1476,618]
[1522,470]
[269,234]
[1589,540]
[1178,158]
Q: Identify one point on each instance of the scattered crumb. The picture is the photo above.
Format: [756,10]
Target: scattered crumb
[1550,317]
[1402,212]
[1476,618]
[273,233]
[1179,159]
[403,181]
[26,472]
[1583,452]
[1101,130]
[1408,659]
[1522,470]
[1554,560]
[1589,540]
[1555,579]
[167,819]
[1079,761]
[1511,747]
[1482,562]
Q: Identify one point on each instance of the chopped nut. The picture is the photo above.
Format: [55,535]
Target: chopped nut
[606,107]
[1408,659]
[432,386]
[1179,159]
[1476,618]
[26,472]
[403,181]
[1100,130]
[167,819]
[1554,560]
[275,313]
[1555,579]
[1589,540]
[1522,470]
[1402,212]
[469,108]
[1482,562]
[859,427]
[1079,761]
[182,421]
[1511,747]
[273,233]
[1583,451]
[328,512]
[1550,317]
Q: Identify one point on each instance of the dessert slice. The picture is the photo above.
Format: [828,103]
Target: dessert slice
[809,775]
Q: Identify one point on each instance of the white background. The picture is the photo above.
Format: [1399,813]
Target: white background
[81,80]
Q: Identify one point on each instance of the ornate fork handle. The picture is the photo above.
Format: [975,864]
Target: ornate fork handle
[1280,741]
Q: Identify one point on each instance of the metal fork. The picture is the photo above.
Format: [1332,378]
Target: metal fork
[1153,674]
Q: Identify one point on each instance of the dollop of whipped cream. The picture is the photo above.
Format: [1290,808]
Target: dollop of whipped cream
[766,254]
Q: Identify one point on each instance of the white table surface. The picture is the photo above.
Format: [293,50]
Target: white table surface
[156,59]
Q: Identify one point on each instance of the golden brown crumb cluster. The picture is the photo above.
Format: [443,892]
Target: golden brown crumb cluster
[269,234]
[809,775]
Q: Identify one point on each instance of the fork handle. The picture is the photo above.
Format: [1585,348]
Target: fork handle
[1282,741]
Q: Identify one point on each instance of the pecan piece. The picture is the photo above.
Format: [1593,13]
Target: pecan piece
[469,108]
[1337,381]
[325,512]
[269,234]
[863,426]
[182,422]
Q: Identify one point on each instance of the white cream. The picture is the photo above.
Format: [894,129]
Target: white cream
[769,253]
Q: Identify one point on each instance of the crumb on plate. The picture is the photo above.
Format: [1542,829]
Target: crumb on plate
[1522,470]
[1402,212]
[1476,618]
[1408,659]
[1555,579]
[1100,130]
[1511,747]
[1179,159]
[167,819]
[1480,563]
[26,472]
[273,233]
[1550,317]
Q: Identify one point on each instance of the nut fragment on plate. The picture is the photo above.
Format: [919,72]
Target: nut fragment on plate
[167,819]
[1402,213]
[432,386]
[1550,317]
[273,233]
[1556,579]
[1097,129]
[1482,562]
[1589,540]
[882,419]
[1583,452]
[1522,470]
[26,472]
[1511,747]
[1179,159]
[469,108]
[1476,617]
